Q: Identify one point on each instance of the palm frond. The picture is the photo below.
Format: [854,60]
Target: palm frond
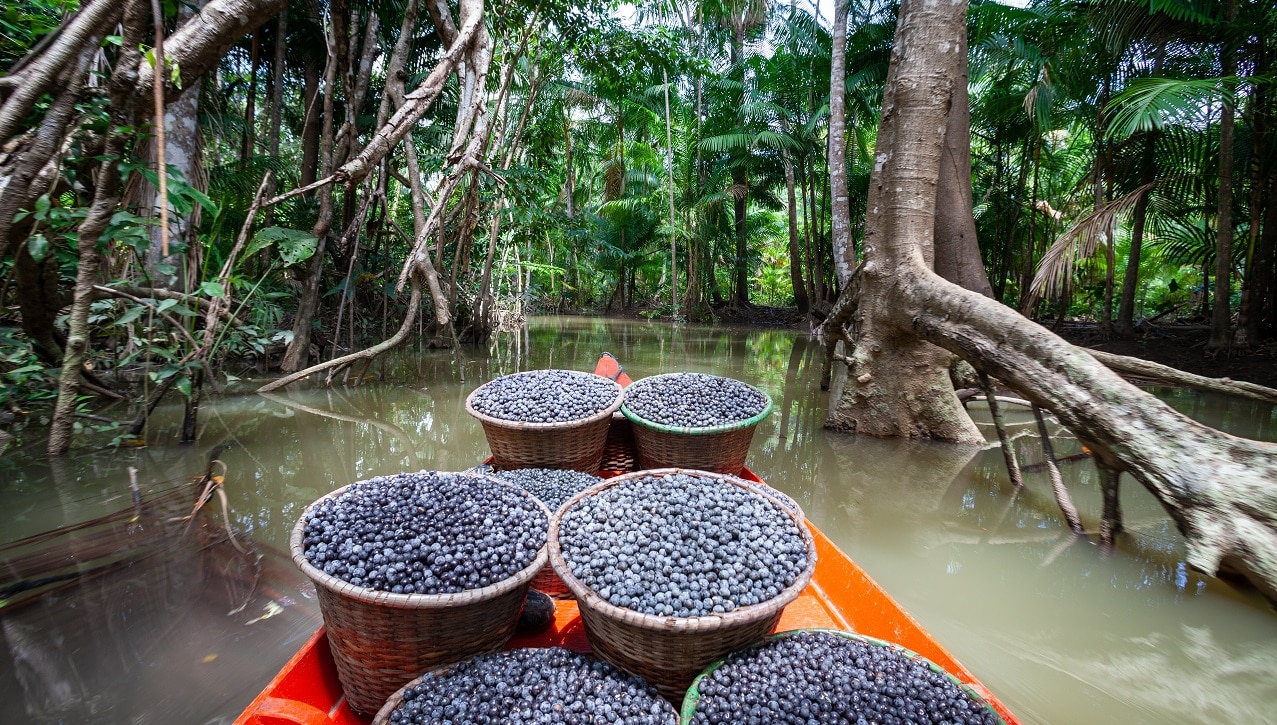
[1078,243]
[1149,104]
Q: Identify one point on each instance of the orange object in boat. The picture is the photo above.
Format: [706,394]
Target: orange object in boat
[840,596]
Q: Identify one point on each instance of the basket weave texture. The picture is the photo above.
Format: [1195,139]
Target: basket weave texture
[549,584]
[718,449]
[693,696]
[381,640]
[666,651]
[574,444]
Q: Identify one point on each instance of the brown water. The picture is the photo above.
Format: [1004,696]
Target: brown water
[1060,630]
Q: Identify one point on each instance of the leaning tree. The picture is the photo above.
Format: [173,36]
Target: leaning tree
[902,323]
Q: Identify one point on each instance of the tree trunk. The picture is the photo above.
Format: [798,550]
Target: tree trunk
[795,252]
[1263,317]
[1126,308]
[182,152]
[957,248]
[106,196]
[1259,260]
[311,129]
[249,137]
[669,161]
[1214,486]
[298,351]
[1221,335]
[276,109]
[844,252]
[740,185]
[896,384]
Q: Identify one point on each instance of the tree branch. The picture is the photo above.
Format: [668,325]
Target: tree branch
[1156,371]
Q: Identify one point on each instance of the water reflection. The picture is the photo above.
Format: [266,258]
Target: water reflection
[1062,631]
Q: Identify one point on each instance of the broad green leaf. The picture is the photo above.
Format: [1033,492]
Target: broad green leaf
[212,289]
[38,247]
[184,385]
[294,246]
[166,305]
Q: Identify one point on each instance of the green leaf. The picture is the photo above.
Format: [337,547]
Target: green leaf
[212,289]
[132,314]
[166,305]
[38,247]
[183,384]
[42,205]
[294,246]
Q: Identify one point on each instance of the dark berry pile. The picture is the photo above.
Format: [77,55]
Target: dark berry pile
[693,400]
[816,677]
[786,500]
[553,486]
[545,396]
[682,545]
[425,533]
[533,686]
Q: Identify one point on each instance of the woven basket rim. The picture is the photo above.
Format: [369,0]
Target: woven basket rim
[413,601]
[561,425]
[707,623]
[693,697]
[693,430]
[395,700]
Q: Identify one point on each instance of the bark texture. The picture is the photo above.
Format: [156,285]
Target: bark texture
[1216,487]
[896,384]
[840,229]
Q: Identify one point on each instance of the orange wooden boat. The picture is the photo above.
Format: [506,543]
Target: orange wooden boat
[840,596]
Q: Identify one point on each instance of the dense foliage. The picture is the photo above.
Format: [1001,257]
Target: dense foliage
[669,158]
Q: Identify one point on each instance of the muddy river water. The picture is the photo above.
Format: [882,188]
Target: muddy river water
[146,619]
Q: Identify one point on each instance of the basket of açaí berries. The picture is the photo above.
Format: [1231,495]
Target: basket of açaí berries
[693,420]
[418,570]
[546,418]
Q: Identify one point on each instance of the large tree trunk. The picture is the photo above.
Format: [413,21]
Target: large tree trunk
[896,384]
[844,252]
[957,248]
[1217,488]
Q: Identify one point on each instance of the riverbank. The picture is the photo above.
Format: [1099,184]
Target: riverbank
[1176,345]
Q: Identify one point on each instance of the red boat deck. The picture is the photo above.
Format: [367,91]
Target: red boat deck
[840,596]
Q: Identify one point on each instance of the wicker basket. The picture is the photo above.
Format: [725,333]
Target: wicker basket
[575,444]
[383,715]
[381,640]
[670,651]
[549,584]
[693,696]
[719,448]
